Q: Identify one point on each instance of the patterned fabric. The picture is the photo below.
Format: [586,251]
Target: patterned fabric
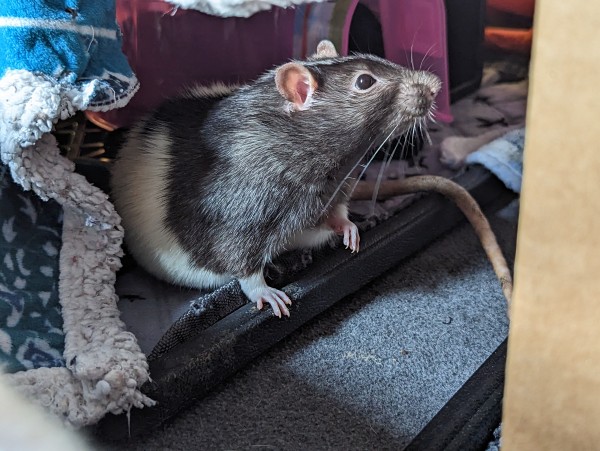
[31,332]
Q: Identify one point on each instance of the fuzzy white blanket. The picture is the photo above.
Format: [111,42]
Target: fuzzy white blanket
[235,8]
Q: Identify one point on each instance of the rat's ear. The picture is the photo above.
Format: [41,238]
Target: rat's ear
[325,49]
[296,84]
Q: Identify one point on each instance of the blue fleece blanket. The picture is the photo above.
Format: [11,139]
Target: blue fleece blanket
[76,42]
[504,158]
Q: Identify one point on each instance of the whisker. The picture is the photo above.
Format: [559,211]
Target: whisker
[375,153]
[405,144]
[346,178]
[426,55]
[372,158]
[389,161]
[431,114]
[412,138]
[426,131]
[420,131]
[405,53]
[378,184]
[384,167]
[412,45]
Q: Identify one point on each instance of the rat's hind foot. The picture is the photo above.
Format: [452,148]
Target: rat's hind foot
[257,290]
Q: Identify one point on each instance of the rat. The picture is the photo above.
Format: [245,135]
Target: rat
[215,183]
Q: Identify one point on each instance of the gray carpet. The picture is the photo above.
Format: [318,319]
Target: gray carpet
[370,372]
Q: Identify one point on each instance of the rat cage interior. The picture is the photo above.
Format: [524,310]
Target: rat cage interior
[353,315]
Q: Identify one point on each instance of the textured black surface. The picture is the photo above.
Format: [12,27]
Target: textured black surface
[467,422]
[204,312]
[190,370]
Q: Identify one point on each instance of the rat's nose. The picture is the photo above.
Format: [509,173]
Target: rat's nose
[426,92]
[419,98]
[424,95]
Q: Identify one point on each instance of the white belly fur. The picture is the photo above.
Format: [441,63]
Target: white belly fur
[311,238]
[318,236]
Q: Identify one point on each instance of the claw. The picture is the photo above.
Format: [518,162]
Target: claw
[351,237]
[343,226]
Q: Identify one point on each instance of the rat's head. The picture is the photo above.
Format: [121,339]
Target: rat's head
[363,95]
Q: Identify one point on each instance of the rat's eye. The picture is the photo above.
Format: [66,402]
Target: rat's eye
[364,81]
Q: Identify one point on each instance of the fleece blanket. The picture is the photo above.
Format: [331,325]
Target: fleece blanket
[74,42]
[504,158]
[63,56]
[235,8]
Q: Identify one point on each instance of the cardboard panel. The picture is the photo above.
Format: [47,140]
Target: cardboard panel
[552,395]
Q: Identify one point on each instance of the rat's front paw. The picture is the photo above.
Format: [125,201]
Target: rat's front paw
[348,230]
[351,237]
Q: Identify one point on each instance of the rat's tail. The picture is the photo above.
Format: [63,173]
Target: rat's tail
[464,201]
